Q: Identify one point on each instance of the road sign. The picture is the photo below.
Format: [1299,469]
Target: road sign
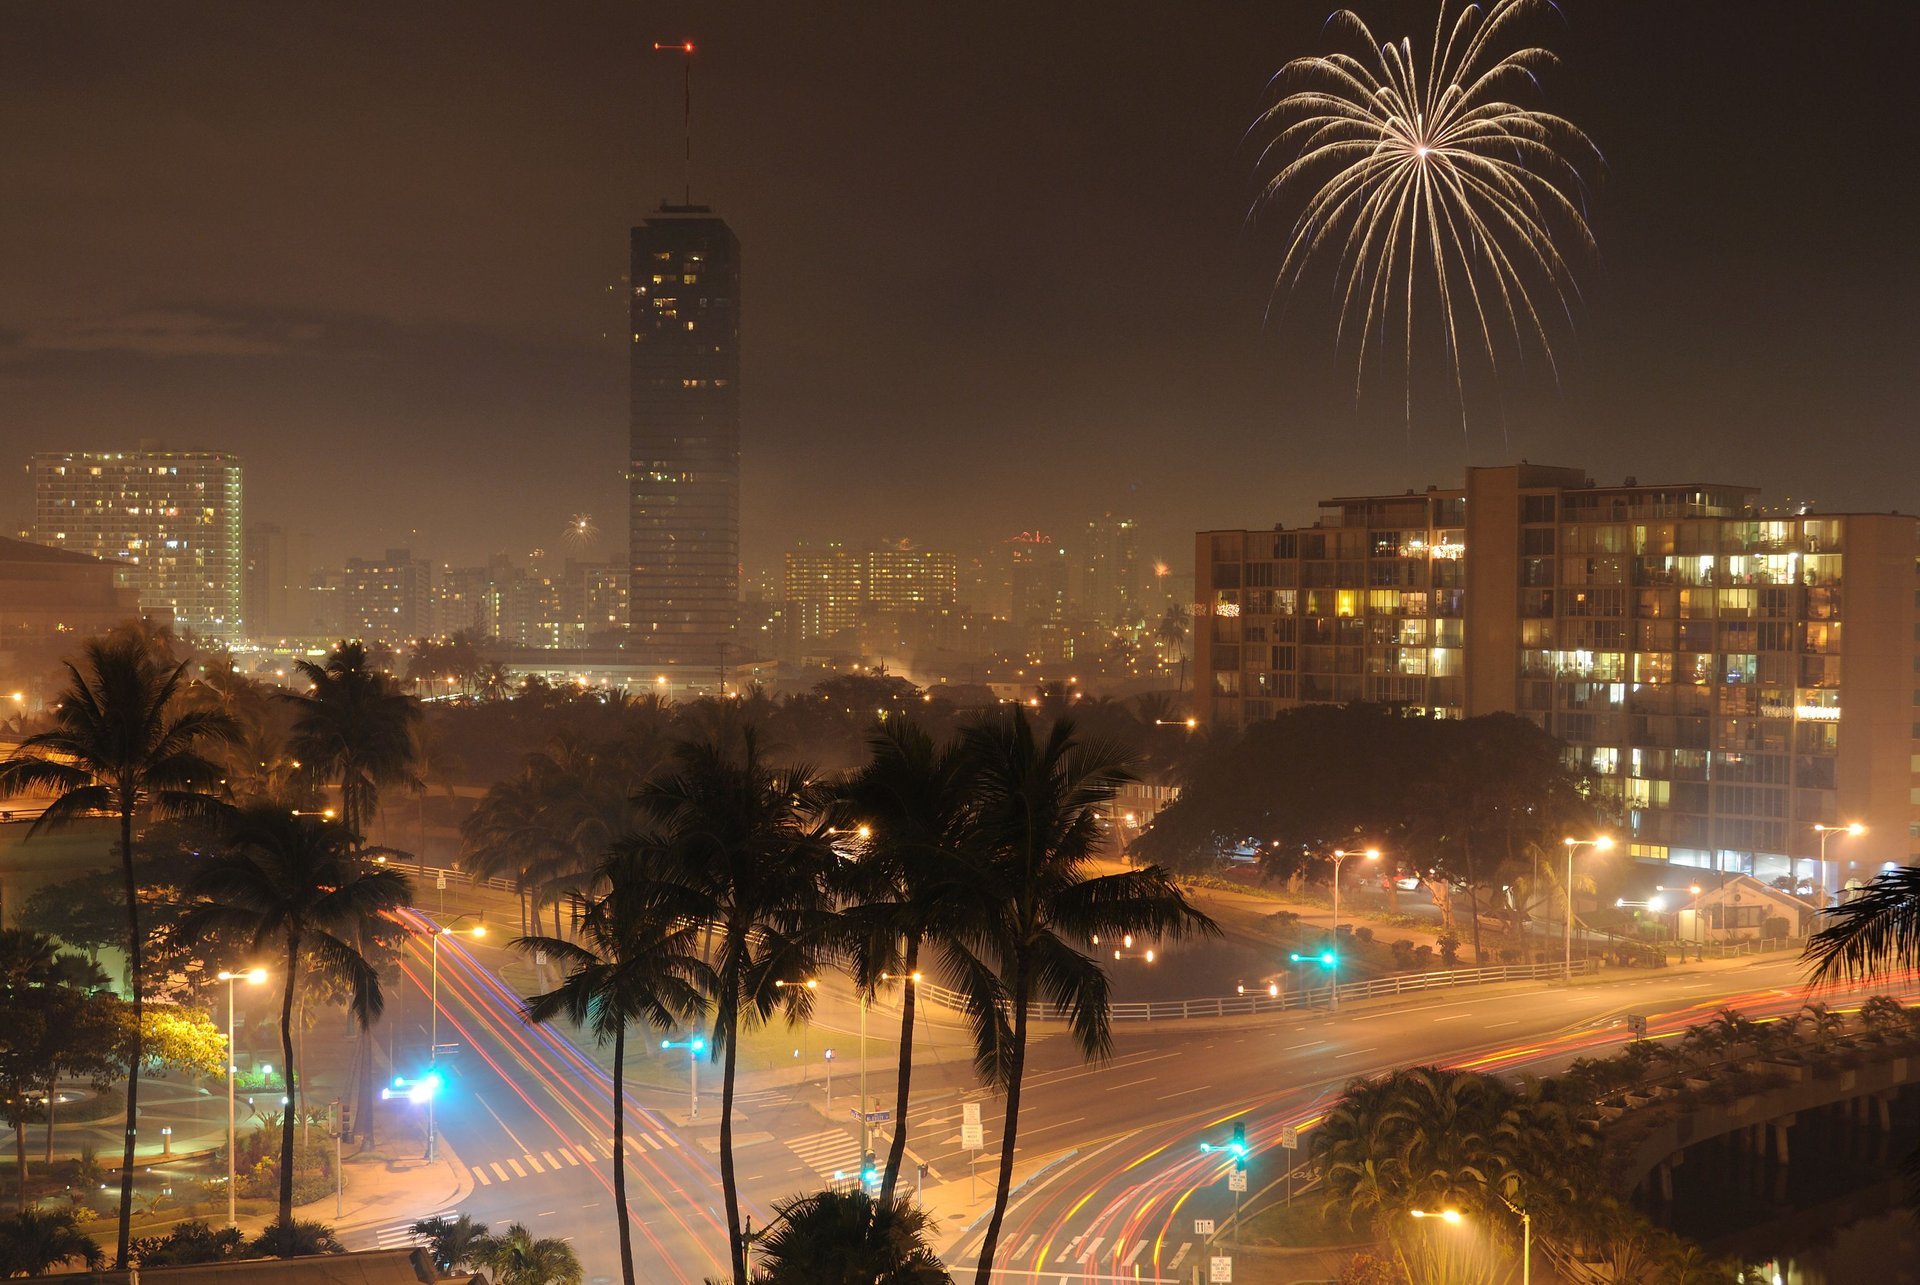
[1637,1024]
[880,1117]
[1220,1270]
[1289,1137]
[1237,1180]
[1203,1226]
[972,1137]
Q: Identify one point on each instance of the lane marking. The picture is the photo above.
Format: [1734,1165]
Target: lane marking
[511,1136]
[1184,1092]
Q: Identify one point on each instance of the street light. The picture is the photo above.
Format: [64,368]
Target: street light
[1827,832]
[693,1047]
[1453,1218]
[433,1053]
[1333,976]
[806,1028]
[1599,843]
[253,977]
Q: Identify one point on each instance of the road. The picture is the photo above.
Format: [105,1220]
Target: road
[530,1114]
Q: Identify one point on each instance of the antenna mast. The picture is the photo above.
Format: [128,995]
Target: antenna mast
[685,49]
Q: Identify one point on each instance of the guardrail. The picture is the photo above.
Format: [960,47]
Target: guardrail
[1311,997]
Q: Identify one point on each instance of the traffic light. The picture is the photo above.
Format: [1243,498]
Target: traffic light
[1239,1144]
[869,1172]
[1326,958]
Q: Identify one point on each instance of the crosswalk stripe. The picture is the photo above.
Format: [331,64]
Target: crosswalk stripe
[671,1141]
[652,1141]
[606,1150]
[1068,1251]
[551,1162]
[1137,1251]
[586,1156]
[1173,1265]
[514,1165]
[1092,1249]
[498,1172]
[533,1164]
[480,1176]
[1026,1245]
[566,1153]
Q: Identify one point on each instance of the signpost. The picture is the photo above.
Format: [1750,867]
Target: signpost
[1237,1181]
[1203,1226]
[972,1138]
[1290,1141]
[1220,1270]
[1637,1026]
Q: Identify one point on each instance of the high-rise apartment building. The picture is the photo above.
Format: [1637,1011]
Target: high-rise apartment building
[824,590]
[387,599]
[168,521]
[276,582]
[684,482]
[903,580]
[1110,571]
[1730,677]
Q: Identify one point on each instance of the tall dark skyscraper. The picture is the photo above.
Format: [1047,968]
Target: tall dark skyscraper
[685,478]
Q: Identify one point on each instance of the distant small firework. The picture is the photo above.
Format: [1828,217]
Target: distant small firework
[581,529]
[1419,171]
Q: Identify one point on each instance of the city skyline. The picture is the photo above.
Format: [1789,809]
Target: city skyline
[1033,373]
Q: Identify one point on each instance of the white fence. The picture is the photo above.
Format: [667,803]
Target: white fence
[1253,1002]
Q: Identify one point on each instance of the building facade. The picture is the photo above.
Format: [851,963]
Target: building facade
[824,590]
[387,599]
[276,582]
[1110,572]
[168,521]
[1730,678]
[684,479]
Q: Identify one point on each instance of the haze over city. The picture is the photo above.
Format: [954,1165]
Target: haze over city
[894,645]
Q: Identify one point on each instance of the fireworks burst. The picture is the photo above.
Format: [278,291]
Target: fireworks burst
[581,529]
[1424,172]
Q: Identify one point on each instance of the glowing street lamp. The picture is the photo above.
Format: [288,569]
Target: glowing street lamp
[253,977]
[433,1056]
[1333,975]
[1853,828]
[1599,843]
[693,1047]
[1453,1218]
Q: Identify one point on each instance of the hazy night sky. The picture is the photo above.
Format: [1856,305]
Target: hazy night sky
[997,271]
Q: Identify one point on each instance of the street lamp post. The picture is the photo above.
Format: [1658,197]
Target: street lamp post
[1339,856]
[433,1052]
[693,1046]
[1453,1218]
[253,976]
[1600,843]
[1827,832]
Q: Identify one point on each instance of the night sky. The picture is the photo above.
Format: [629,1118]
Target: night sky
[998,273]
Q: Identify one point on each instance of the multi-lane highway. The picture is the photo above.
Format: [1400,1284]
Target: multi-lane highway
[1109,1156]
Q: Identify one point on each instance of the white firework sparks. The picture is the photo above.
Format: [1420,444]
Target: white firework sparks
[1426,172]
[581,529]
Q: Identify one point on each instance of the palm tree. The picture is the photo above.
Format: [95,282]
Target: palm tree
[32,1243]
[119,745]
[355,727]
[1172,632]
[1032,897]
[517,1258]
[451,1241]
[638,960]
[849,1238]
[752,845]
[1878,931]
[913,796]
[300,885]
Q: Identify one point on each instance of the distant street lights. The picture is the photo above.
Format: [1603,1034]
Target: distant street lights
[693,1047]
[1339,856]
[253,977]
[1827,832]
[1599,843]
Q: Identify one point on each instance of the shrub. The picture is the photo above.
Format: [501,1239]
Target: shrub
[296,1240]
[1402,953]
[1450,948]
[1423,957]
[1512,956]
[1774,926]
[1364,934]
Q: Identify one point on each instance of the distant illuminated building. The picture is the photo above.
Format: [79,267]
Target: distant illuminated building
[824,590]
[168,521]
[1730,678]
[387,599]
[684,482]
[1110,571]
[904,580]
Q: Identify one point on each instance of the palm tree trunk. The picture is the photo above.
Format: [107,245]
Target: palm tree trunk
[20,1155]
[52,1094]
[1473,902]
[736,1247]
[897,1152]
[286,1052]
[620,1151]
[1009,1135]
[135,1052]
